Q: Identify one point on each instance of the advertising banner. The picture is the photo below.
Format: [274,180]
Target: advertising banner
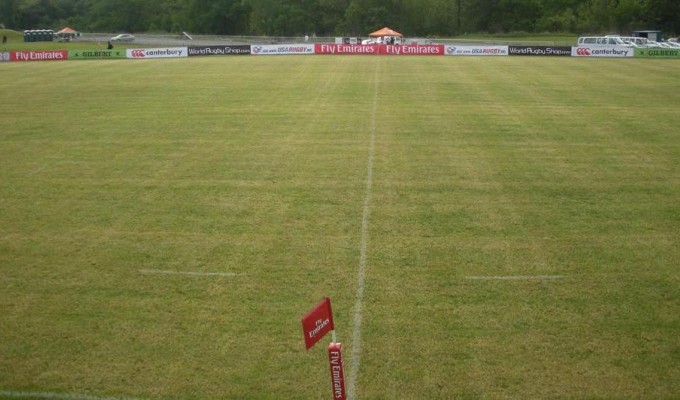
[4,56]
[383,49]
[39,55]
[540,51]
[343,49]
[164,52]
[656,52]
[413,50]
[337,371]
[219,50]
[602,51]
[96,54]
[476,50]
[317,323]
[281,49]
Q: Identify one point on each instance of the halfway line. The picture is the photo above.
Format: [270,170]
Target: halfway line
[355,360]
[162,272]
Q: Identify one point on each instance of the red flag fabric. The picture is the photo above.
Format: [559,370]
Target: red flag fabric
[317,323]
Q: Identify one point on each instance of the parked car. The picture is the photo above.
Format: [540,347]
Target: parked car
[123,37]
[603,41]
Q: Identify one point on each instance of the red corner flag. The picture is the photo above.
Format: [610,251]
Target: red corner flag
[317,323]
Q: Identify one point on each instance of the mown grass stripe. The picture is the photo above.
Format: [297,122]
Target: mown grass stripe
[55,396]
[355,361]
[188,273]
[516,278]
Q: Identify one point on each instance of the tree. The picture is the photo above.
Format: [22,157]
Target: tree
[343,17]
[663,15]
[9,13]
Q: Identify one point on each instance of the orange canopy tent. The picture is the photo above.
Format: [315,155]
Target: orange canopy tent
[385,32]
[66,34]
[67,30]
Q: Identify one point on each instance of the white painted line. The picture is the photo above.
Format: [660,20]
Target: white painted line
[516,278]
[55,396]
[190,273]
[355,360]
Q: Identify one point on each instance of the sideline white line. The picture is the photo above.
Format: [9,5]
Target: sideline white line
[516,278]
[162,272]
[355,360]
[55,396]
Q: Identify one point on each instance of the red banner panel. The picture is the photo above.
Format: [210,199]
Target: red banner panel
[337,371]
[413,50]
[384,49]
[332,48]
[317,323]
[42,55]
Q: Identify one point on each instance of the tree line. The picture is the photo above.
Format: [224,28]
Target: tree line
[426,18]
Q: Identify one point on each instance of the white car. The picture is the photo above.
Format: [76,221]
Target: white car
[602,41]
[123,37]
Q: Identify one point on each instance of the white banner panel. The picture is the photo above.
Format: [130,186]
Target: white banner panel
[274,49]
[161,52]
[4,56]
[602,51]
[451,50]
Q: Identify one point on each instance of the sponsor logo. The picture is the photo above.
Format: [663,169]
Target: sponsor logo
[417,50]
[282,49]
[583,51]
[337,373]
[164,52]
[539,51]
[610,52]
[319,325]
[487,51]
[158,53]
[4,57]
[613,51]
[56,55]
[96,53]
[476,50]
[663,53]
[92,54]
[347,48]
[218,50]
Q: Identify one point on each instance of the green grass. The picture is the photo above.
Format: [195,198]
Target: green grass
[257,166]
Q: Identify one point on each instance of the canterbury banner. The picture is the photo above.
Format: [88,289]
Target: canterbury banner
[164,52]
[602,51]
[317,323]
